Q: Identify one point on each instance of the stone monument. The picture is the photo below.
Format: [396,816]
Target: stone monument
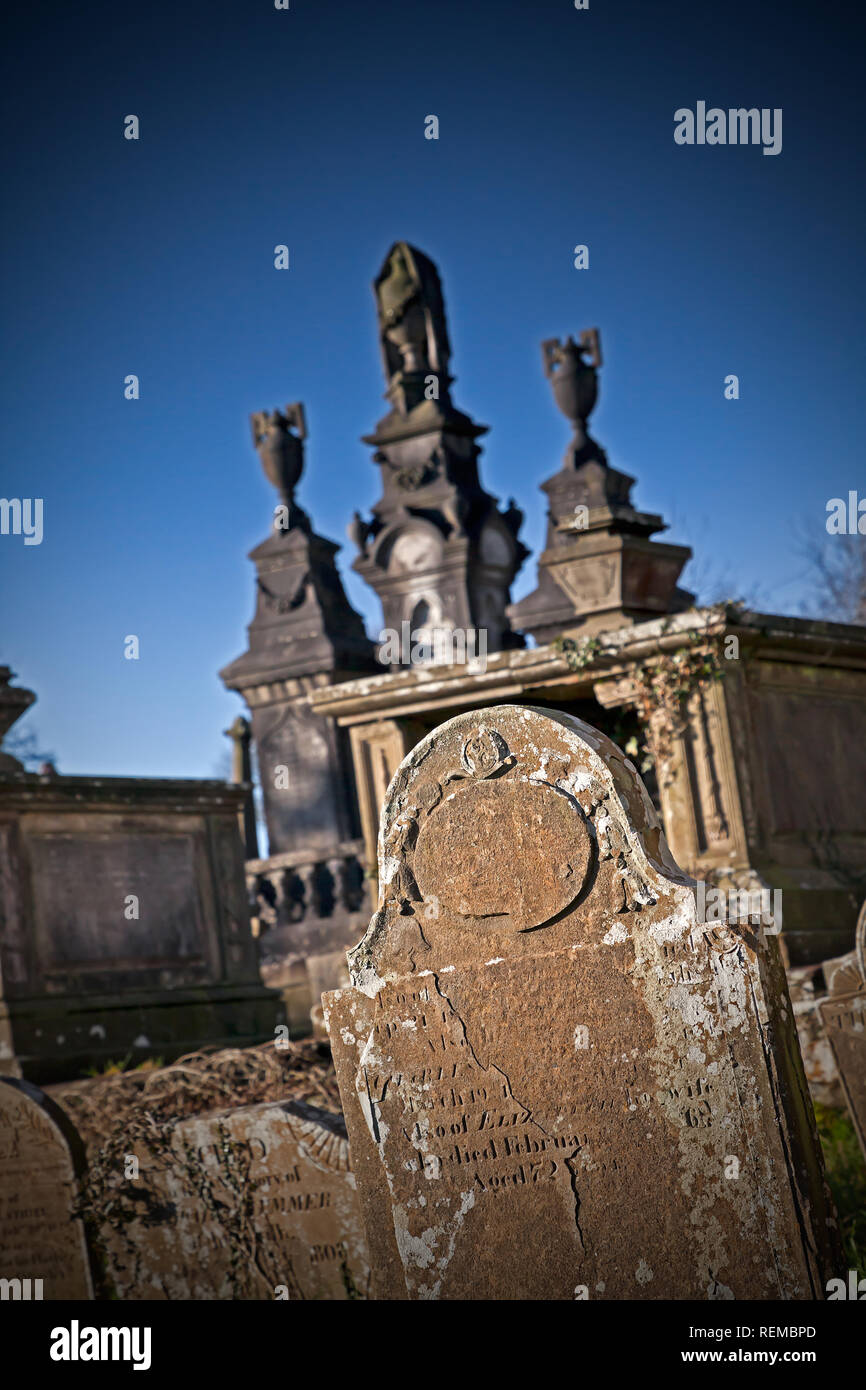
[599,569]
[304,635]
[557,1082]
[304,632]
[124,922]
[43,1254]
[438,551]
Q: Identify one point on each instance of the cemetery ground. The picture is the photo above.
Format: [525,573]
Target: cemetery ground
[110,1109]
[539,1029]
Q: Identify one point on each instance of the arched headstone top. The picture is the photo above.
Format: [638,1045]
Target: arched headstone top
[507,822]
[42,1242]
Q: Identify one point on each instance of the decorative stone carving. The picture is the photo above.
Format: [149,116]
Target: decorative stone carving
[412,330]
[599,568]
[435,536]
[14,700]
[574,382]
[281,451]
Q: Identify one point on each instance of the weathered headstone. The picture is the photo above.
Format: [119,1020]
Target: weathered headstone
[557,1082]
[43,1254]
[258,1202]
[844,1017]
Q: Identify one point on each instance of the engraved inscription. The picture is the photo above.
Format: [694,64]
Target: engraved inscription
[39,1236]
[452,1117]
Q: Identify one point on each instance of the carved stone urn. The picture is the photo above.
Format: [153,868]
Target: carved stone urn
[574,381]
[281,452]
[13,702]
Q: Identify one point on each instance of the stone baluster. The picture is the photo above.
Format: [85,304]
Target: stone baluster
[337,869]
[307,873]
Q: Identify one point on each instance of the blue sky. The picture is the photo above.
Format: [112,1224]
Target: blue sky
[305,127]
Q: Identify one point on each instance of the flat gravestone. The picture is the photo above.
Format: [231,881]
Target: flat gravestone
[557,1083]
[43,1253]
[258,1202]
[844,1017]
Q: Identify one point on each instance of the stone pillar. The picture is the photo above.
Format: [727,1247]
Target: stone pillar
[377,751]
[304,634]
[240,733]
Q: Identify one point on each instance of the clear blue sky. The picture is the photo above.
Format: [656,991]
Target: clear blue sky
[306,126]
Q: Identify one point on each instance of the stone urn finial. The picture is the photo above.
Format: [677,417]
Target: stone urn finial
[281,451]
[574,381]
[13,702]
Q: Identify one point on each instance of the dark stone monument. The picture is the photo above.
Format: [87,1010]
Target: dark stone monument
[124,922]
[438,551]
[304,634]
[599,569]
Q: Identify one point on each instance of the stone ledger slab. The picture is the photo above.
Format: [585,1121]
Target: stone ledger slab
[558,1083]
[40,1237]
[253,1203]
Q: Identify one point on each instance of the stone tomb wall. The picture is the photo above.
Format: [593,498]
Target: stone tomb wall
[124,923]
[557,1083]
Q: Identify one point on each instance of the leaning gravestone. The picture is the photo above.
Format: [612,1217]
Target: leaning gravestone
[42,1246]
[257,1202]
[844,1017]
[557,1083]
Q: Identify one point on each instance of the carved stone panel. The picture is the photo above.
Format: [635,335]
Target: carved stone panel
[81,885]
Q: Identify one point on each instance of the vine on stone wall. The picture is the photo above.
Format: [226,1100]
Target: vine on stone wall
[663,685]
[224,1191]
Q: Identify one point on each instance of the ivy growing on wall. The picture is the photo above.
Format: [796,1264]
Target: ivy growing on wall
[663,685]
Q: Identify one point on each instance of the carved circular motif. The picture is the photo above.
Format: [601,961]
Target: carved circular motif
[483,751]
[509,855]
